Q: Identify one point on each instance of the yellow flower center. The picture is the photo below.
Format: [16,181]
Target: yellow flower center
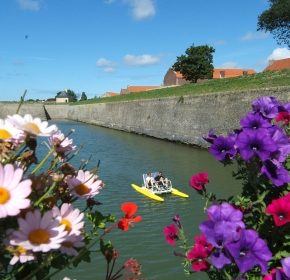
[20,250]
[4,134]
[82,189]
[38,236]
[4,195]
[33,128]
[67,224]
[67,244]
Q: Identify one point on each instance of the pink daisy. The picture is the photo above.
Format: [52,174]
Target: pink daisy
[70,217]
[85,184]
[13,191]
[61,143]
[39,233]
[71,244]
[34,126]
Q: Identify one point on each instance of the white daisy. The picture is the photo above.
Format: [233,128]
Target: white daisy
[85,184]
[32,125]
[71,243]
[9,133]
[20,254]
[13,191]
[70,217]
[39,233]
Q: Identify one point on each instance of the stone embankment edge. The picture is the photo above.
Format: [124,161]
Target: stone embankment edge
[182,119]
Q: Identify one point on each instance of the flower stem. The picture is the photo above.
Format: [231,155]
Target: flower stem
[38,167]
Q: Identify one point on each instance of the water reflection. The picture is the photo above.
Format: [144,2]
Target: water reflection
[124,157]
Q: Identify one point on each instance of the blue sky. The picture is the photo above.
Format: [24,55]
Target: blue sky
[97,46]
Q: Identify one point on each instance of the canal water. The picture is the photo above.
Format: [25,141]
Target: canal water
[123,158]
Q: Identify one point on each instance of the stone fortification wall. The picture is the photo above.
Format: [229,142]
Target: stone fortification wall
[11,108]
[183,119]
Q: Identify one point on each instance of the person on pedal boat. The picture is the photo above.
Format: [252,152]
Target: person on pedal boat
[161,179]
[150,180]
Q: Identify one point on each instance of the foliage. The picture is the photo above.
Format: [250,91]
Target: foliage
[277,21]
[258,81]
[196,63]
[49,217]
[247,236]
[83,96]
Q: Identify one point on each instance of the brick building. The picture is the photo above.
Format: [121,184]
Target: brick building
[133,89]
[278,64]
[175,78]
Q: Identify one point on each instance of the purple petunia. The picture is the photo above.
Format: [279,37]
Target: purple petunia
[254,121]
[223,148]
[224,225]
[275,172]
[282,141]
[210,137]
[286,266]
[249,251]
[267,106]
[255,143]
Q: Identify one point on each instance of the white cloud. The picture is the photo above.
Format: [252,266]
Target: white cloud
[109,69]
[107,65]
[141,9]
[103,62]
[279,53]
[229,65]
[31,5]
[250,36]
[219,42]
[140,60]
[109,1]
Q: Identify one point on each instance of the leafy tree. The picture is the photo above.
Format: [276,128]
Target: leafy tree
[276,20]
[83,96]
[196,63]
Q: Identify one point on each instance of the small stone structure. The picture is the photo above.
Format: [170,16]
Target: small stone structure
[62,97]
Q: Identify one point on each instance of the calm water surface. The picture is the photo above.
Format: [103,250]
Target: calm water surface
[123,158]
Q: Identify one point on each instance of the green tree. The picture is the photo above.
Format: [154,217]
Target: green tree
[196,63]
[276,20]
[83,96]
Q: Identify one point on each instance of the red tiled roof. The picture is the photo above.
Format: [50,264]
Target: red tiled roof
[140,88]
[230,73]
[279,65]
[227,73]
[109,94]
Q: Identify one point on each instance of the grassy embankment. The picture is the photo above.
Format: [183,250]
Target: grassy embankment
[257,81]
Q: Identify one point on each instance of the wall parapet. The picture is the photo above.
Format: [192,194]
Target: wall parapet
[183,119]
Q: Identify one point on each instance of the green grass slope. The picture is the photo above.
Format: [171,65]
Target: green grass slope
[251,82]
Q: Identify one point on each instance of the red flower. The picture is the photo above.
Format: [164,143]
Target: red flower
[198,181]
[198,257]
[280,210]
[171,234]
[283,117]
[201,240]
[129,208]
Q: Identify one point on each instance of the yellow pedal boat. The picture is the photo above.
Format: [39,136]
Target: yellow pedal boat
[156,189]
